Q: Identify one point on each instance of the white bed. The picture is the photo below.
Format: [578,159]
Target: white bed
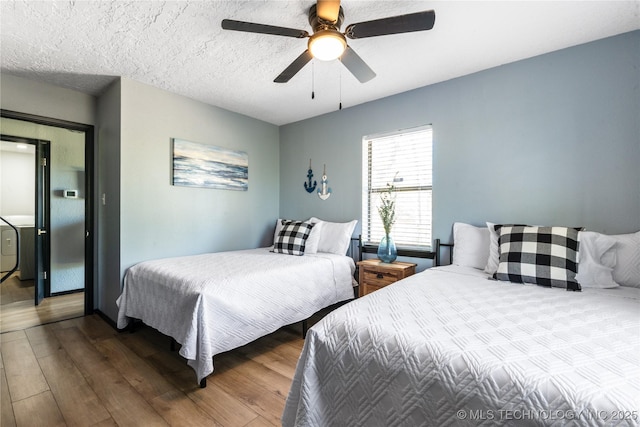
[216,302]
[448,346]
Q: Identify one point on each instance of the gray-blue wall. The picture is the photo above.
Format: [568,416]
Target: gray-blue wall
[551,140]
[108,272]
[67,166]
[66,216]
[159,220]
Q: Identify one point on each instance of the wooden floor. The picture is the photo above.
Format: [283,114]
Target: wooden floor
[82,372]
[18,311]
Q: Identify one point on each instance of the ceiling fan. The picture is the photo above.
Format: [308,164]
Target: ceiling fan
[328,43]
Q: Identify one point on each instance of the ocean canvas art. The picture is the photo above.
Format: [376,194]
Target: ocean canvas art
[203,165]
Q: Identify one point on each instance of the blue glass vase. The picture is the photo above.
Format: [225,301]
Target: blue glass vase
[387,251]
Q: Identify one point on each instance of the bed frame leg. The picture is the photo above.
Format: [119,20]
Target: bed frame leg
[131,326]
[203,383]
[304,328]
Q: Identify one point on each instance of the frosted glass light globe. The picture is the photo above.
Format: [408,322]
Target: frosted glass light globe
[327,45]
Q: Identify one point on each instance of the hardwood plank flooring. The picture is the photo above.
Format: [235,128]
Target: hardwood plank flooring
[38,410]
[24,377]
[82,372]
[15,290]
[17,309]
[7,418]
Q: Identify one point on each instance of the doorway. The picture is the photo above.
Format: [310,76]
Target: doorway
[67,224]
[26,221]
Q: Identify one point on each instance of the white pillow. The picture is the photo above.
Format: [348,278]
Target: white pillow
[470,245]
[627,269]
[494,251]
[335,237]
[313,240]
[597,258]
[277,230]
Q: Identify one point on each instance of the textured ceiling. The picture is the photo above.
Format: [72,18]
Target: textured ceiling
[179,46]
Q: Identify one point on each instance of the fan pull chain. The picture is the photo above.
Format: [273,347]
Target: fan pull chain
[313,80]
[340,86]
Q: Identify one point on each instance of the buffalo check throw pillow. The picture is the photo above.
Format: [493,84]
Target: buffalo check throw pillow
[546,256]
[292,237]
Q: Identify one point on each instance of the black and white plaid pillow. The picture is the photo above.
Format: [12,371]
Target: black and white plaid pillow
[546,256]
[292,237]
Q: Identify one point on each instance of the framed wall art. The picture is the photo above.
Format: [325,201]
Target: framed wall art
[204,165]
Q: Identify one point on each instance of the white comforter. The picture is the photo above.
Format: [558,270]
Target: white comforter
[454,348]
[216,302]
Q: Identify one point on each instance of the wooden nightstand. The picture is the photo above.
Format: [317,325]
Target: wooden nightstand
[375,274]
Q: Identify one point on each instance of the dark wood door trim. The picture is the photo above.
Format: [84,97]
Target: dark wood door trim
[90,226]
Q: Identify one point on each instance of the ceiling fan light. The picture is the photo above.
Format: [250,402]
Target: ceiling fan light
[327,45]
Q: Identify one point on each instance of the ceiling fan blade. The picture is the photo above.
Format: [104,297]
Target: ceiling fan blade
[419,21]
[249,27]
[294,67]
[356,65]
[328,10]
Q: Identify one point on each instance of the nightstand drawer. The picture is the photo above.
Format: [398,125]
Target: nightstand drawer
[368,288]
[379,278]
[375,274]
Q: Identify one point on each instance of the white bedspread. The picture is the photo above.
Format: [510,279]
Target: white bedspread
[216,302]
[454,348]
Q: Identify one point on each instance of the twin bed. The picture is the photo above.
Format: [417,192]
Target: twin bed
[212,303]
[477,342]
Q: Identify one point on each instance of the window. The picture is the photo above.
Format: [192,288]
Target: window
[403,159]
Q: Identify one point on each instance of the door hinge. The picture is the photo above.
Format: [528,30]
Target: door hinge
[44,273]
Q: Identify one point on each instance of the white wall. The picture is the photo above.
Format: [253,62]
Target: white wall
[17,183]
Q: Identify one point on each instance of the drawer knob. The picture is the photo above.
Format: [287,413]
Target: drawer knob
[380,276]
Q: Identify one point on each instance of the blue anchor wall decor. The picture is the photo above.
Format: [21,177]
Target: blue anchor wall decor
[324,192]
[310,186]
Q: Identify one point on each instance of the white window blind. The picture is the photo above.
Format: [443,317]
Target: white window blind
[403,159]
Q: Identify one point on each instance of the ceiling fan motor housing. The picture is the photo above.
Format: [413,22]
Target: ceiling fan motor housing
[327,42]
[318,23]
